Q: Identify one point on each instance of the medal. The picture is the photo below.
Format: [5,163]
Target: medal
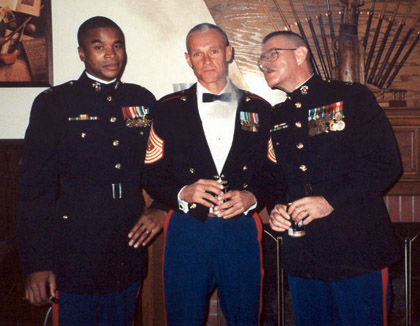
[338,116]
[312,131]
[136,116]
[340,125]
[319,121]
[311,123]
[328,118]
[133,123]
[323,128]
[249,121]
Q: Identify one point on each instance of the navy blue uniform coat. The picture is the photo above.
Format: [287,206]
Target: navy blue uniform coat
[81,233]
[187,157]
[351,168]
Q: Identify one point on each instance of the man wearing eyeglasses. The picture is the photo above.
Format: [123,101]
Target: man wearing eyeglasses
[333,146]
[204,162]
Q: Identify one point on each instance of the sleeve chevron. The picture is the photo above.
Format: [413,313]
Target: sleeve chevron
[154,150]
[270,153]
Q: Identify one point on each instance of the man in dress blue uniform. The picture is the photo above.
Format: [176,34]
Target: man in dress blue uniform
[206,151]
[82,222]
[335,150]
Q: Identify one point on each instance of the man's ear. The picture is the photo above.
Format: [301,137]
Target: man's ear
[81,53]
[301,53]
[229,53]
[187,57]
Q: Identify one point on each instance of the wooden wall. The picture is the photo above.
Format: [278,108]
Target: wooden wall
[247,22]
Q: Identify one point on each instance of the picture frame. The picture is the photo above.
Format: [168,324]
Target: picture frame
[26,43]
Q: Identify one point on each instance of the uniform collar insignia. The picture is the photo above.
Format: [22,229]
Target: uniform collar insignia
[97,86]
[304,89]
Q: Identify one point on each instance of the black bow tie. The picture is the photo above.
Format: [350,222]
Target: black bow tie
[225,97]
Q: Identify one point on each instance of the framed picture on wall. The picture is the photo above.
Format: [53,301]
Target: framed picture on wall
[25,43]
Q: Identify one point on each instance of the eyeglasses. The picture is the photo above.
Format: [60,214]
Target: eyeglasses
[270,56]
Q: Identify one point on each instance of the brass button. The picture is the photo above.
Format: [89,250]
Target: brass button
[245,185]
[298,124]
[193,205]
[118,166]
[83,135]
[299,145]
[222,176]
[216,177]
[116,142]
[141,133]
[192,171]
[303,167]
[65,217]
[298,105]
[244,168]
[109,98]
[247,99]
[113,119]
[277,144]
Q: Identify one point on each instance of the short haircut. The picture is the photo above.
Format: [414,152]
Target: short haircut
[295,39]
[93,23]
[204,27]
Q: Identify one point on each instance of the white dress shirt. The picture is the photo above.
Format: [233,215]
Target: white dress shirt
[218,120]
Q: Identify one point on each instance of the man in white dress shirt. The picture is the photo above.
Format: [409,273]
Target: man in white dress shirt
[206,153]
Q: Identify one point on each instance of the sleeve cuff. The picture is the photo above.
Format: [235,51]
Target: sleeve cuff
[250,208]
[182,204]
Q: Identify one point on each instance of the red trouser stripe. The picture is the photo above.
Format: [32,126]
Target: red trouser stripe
[55,310]
[260,235]
[385,294]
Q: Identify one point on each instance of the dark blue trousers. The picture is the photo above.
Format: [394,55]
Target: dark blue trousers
[357,301]
[111,309]
[199,256]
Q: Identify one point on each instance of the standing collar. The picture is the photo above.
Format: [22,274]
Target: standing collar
[88,84]
[201,89]
[303,83]
[100,80]
[304,88]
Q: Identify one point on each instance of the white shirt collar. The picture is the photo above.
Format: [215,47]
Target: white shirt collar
[100,80]
[201,89]
[303,83]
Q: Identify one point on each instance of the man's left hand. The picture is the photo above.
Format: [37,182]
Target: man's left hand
[234,203]
[308,209]
[147,227]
